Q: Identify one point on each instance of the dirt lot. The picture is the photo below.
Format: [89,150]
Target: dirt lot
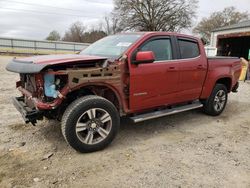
[183,150]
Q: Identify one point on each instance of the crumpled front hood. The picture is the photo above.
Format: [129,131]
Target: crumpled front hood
[58,59]
[37,63]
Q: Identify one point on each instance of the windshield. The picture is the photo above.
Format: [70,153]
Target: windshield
[112,46]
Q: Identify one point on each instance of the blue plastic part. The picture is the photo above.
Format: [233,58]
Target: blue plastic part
[49,86]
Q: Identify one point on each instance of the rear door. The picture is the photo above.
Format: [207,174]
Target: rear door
[154,84]
[192,68]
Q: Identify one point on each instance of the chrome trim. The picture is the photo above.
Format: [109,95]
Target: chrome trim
[140,94]
[173,60]
[93,129]
[166,112]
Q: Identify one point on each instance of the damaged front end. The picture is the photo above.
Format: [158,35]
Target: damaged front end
[41,93]
[45,87]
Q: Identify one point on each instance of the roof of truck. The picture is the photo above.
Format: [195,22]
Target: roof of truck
[160,33]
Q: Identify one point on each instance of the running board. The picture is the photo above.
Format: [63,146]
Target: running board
[166,112]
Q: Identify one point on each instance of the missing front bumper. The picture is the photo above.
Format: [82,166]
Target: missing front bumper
[29,115]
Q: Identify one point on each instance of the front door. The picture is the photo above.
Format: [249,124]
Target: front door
[154,84]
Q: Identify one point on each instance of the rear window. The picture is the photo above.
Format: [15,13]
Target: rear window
[188,49]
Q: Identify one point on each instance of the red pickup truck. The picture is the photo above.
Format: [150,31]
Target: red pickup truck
[138,75]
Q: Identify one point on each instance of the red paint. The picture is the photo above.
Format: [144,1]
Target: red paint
[145,56]
[157,84]
[44,105]
[192,75]
[176,81]
[220,68]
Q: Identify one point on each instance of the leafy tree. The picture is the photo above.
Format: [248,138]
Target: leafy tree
[53,36]
[154,15]
[219,19]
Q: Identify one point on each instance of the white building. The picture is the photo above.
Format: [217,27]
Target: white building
[233,40]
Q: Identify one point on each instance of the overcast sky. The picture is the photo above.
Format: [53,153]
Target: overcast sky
[35,19]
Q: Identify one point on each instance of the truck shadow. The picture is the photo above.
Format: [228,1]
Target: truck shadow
[131,134]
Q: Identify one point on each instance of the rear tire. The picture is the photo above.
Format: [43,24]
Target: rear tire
[90,123]
[217,101]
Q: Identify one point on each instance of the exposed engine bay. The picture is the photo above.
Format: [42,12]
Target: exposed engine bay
[49,88]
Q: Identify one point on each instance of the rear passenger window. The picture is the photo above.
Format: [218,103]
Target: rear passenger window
[161,48]
[188,49]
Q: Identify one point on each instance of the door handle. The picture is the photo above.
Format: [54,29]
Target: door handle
[200,67]
[171,69]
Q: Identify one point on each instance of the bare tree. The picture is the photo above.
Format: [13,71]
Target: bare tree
[53,36]
[111,24]
[154,15]
[78,33]
[218,19]
[93,35]
[75,33]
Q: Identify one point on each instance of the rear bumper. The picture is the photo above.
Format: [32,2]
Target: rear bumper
[28,114]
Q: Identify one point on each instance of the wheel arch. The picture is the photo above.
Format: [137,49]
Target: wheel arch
[227,81]
[210,83]
[99,89]
[82,139]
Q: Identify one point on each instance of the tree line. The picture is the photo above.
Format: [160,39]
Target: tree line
[151,15]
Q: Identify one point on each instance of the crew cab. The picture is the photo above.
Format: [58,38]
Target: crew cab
[142,75]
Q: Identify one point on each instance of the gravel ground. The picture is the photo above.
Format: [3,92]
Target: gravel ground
[183,150]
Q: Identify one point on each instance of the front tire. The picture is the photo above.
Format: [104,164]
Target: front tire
[90,123]
[217,101]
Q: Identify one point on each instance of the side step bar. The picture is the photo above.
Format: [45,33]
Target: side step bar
[165,112]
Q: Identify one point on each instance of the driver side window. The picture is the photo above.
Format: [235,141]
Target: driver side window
[161,47]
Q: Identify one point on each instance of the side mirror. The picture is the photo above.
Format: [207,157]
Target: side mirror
[144,57]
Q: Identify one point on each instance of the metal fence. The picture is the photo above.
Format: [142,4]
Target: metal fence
[12,45]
